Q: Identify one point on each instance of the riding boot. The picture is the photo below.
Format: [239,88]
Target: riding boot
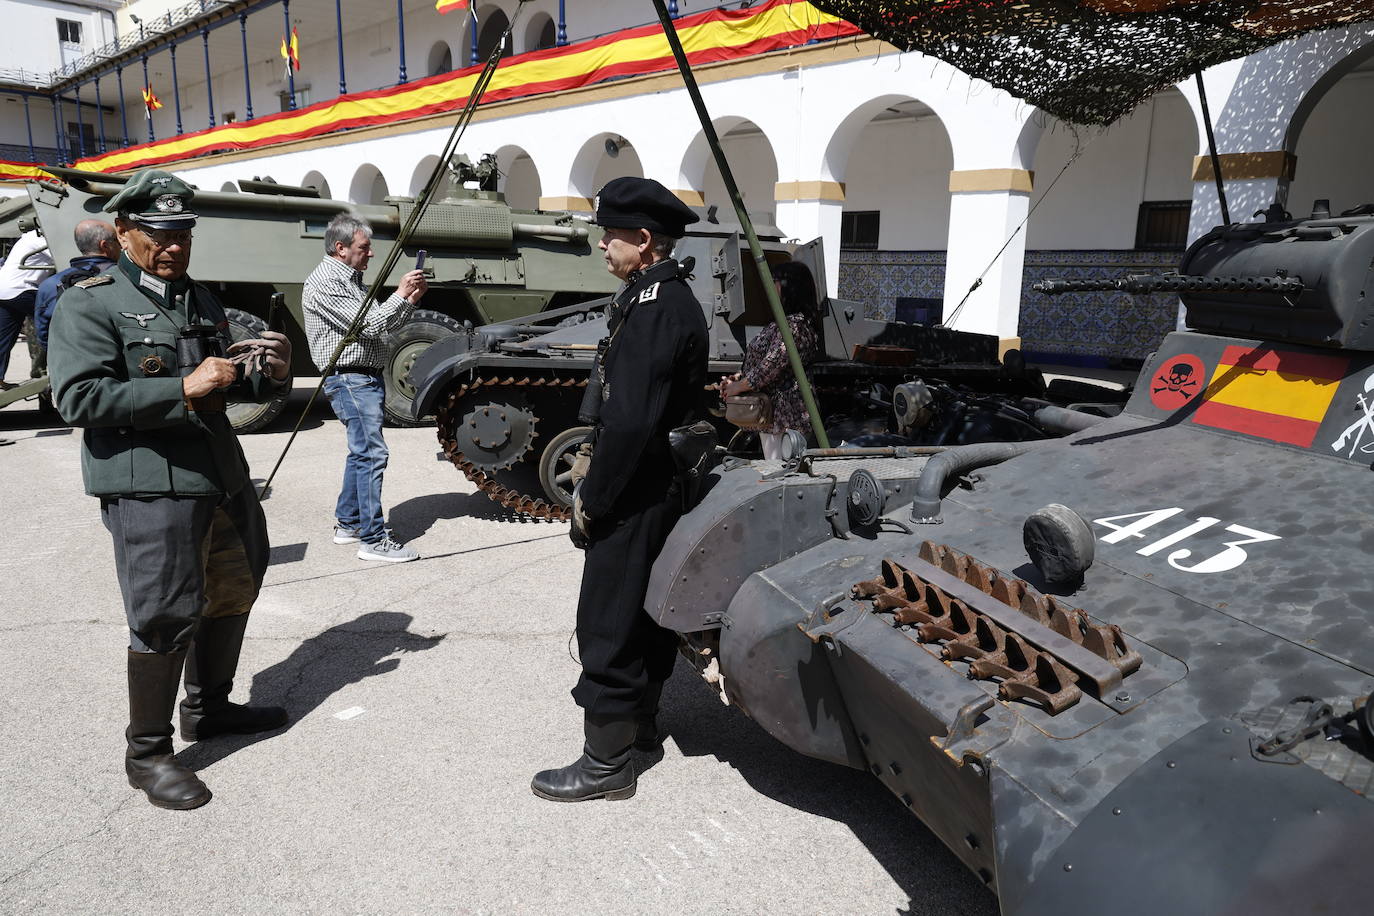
[153,682]
[603,771]
[206,711]
[647,735]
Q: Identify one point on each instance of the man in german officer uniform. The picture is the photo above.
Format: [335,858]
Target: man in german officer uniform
[128,360]
[651,376]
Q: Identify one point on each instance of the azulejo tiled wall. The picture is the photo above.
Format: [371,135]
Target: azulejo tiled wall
[1103,325]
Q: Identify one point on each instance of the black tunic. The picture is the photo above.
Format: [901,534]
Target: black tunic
[654,369]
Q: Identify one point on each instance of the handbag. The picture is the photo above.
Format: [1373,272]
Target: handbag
[750,411]
[694,454]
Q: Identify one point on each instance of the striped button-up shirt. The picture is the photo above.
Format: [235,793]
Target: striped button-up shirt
[332,296]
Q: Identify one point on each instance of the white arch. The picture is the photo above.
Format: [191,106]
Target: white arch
[541,25]
[440,59]
[368,186]
[423,169]
[593,166]
[520,180]
[316,180]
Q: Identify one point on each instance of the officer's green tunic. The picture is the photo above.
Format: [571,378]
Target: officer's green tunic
[189,534]
[140,439]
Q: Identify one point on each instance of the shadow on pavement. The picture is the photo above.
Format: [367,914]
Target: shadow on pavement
[929,874]
[318,668]
[414,517]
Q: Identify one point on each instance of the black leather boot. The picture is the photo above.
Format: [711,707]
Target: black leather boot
[603,771]
[206,711]
[647,735]
[153,683]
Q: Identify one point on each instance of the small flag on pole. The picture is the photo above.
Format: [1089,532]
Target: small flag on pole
[151,102]
[449,6]
[291,52]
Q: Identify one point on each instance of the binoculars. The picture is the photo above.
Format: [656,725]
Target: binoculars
[197,343]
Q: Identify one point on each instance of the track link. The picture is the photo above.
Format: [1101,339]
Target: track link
[447,416]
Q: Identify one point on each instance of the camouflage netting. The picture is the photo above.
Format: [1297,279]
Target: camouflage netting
[1090,61]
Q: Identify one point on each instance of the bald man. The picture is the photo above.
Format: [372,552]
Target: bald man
[99,248]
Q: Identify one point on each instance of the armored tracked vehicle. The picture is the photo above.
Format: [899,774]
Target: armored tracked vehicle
[1125,671]
[487,262]
[506,396]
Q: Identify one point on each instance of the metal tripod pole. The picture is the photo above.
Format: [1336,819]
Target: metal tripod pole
[793,357]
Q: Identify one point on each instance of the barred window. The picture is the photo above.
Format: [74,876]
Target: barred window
[859,230]
[69,31]
[1162,225]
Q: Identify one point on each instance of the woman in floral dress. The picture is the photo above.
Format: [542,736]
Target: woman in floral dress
[766,368]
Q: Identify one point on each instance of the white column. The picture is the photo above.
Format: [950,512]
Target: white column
[811,209]
[986,207]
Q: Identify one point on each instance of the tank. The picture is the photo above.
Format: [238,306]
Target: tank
[486,261]
[1124,670]
[506,396]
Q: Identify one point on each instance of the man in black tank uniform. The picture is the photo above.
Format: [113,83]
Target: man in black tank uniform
[651,372]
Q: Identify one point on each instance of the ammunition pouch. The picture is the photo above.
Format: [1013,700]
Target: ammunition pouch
[694,454]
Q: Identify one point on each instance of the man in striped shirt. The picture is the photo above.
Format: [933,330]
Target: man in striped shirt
[333,295]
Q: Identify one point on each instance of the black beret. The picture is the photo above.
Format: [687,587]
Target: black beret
[642,203]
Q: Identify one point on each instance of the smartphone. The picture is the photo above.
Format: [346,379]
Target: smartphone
[420,259]
[276,312]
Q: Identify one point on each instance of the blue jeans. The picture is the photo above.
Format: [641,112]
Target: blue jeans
[357,400]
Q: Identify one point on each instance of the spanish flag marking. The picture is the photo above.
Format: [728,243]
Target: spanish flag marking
[1273,394]
[448,6]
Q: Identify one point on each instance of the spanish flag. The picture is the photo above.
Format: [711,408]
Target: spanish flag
[291,53]
[448,6]
[151,102]
[1281,395]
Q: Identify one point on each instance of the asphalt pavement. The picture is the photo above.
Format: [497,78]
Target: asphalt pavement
[423,697]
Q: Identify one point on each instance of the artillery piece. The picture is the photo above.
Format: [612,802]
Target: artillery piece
[1128,669]
[487,261]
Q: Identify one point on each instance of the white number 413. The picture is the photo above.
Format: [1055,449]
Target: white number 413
[1140,522]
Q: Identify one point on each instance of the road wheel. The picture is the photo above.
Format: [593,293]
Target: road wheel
[555,464]
[404,347]
[247,416]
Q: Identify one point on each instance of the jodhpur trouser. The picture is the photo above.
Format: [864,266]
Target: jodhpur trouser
[621,647]
[181,557]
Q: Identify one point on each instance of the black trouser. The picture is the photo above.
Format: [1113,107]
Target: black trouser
[12,315]
[621,647]
[178,557]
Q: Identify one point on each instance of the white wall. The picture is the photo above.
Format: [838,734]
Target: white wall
[901,168]
[1334,158]
[1145,156]
[29,39]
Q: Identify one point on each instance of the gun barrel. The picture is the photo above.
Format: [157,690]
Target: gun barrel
[1173,283]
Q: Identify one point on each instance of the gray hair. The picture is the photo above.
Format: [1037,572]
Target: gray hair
[662,245]
[341,230]
[92,235]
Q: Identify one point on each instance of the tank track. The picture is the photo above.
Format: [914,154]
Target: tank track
[510,498]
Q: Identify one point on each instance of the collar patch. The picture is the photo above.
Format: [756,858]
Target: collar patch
[153,283]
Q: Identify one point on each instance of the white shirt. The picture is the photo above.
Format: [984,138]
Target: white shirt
[13,280]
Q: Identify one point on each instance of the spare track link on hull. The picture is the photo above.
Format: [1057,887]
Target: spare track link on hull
[447,416]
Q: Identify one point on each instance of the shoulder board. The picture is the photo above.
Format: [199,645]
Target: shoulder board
[97,280]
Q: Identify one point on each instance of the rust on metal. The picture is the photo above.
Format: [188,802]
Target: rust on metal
[448,415]
[1037,648]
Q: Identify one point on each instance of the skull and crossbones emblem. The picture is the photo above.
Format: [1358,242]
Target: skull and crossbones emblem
[1177,380]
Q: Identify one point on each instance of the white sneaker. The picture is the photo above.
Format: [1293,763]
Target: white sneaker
[388,551]
[343,535]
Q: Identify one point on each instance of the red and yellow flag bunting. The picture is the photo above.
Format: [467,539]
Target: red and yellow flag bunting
[23,171]
[708,37]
